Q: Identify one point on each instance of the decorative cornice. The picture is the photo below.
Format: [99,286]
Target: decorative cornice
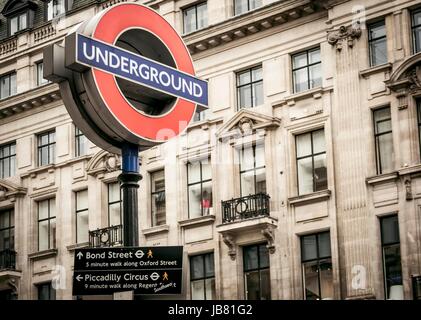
[250,23]
[102,162]
[350,33]
[28,100]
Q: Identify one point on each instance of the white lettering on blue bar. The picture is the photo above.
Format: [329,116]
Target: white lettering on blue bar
[141,70]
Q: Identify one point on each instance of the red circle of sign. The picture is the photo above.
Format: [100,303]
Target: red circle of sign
[128,16]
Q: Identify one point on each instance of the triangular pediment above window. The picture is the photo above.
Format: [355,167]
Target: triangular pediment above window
[13,7]
[246,122]
[10,190]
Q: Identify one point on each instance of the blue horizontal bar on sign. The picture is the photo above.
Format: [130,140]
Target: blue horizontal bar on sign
[140,70]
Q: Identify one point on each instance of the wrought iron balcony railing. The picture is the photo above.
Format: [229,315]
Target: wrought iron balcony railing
[245,207]
[106,237]
[7,259]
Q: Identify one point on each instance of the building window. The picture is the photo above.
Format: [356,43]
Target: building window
[7,160]
[82,216]
[377,43]
[316,263]
[242,6]
[7,85]
[46,148]
[252,170]
[158,198]
[57,8]
[383,140]
[307,70]
[250,88]
[40,74]
[311,161]
[7,230]
[199,184]
[201,115]
[391,251]
[114,204]
[202,277]
[416,30]
[46,291]
[195,17]
[18,23]
[46,224]
[81,143]
[256,272]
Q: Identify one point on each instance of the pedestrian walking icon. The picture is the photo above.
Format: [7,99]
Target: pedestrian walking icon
[165,276]
[150,254]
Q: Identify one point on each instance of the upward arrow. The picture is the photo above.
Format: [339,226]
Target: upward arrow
[80,255]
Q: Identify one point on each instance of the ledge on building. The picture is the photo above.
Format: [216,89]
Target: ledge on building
[310,197]
[204,124]
[257,223]
[362,297]
[376,69]
[50,168]
[43,254]
[75,246]
[290,100]
[8,274]
[386,177]
[410,170]
[208,219]
[154,230]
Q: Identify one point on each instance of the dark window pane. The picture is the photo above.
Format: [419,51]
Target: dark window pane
[265,284]
[308,247]
[390,230]
[324,245]
[250,258]
[378,52]
[209,265]
[326,279]
[196,267]
[311,280]
[252,285]
[263,256]
[393,272]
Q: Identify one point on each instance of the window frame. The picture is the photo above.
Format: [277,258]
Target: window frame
[41,81]
[204,278]
[254,169]
[248,7]
[190,7]
[379,169]
[307,66]
[49,218]
[51,290]
[312,155]
[11,91]
[10,228]
[259,269]
[252,84]
[11,157]
[78,211]
[48,145]
[110,203]
[66,9]
[317,259]
[201,182]
[18,28]
[151,174]
[413,28]
[388,245]
[78,135]
[373,40]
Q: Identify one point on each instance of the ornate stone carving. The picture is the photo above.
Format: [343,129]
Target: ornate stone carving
[111,162]
[408,189]
[245,125]
[229,241]
[414,78]
[270,237]
[344,33]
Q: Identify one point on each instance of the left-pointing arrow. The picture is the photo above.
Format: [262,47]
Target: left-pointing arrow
[79,277]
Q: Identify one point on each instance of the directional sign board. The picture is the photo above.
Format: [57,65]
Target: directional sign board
[144,270]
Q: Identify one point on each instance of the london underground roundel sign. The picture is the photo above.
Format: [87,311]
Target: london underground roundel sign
[126,76]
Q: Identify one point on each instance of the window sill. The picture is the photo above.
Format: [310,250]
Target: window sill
[75,246]
[34,172]
[386,177]
[315,93]
[43,254]
[208,219]
[410,170]
[376,69]
[310,197]
[154,230]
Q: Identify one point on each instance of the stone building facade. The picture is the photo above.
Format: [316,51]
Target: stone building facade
[301,181]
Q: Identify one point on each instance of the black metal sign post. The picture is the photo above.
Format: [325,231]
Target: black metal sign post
[129,184]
